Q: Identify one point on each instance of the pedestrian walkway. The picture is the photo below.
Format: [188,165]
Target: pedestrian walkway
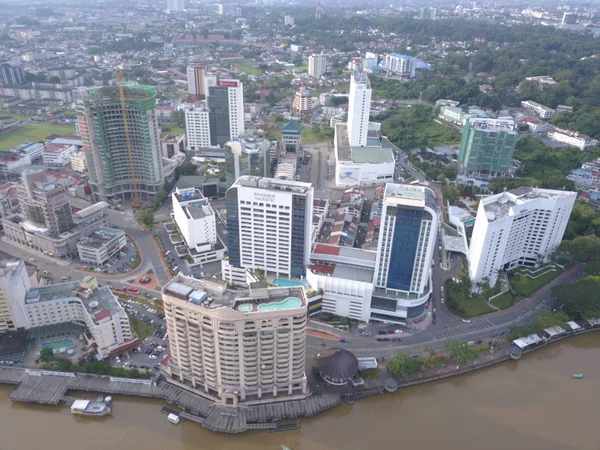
[464,328]
[25,253]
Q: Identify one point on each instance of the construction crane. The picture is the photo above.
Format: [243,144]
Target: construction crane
[136,200]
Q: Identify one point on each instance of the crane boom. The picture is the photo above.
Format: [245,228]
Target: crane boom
[136,200]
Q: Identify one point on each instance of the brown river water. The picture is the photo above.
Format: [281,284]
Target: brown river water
[529,404]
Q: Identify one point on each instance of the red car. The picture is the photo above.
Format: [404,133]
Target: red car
[390,332]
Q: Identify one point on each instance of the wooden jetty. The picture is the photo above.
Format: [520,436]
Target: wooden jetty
[50,388]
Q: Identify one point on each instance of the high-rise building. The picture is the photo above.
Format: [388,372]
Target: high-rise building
[288,21]
[407,240]
[113,169]
[11,72]
[14,284]
[45,203]
[226,106]
[246,157]
[359,107]
[199,81]
[401,65]
[45,221]
[569,18]
[487,146]
[302,103]
[520,227]
[251,349]
[428,13]
[317,65]
[197,127]
[175,5]
[370,60]
[269,224]
[168,50]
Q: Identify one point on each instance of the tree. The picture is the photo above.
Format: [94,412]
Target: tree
[581,249]
[450,193]
[145,217]
[178,118]
[46,354]
[402,365]
[459,352]
[581,299]
[187,169]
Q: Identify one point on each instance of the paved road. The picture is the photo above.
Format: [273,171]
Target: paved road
[478,328]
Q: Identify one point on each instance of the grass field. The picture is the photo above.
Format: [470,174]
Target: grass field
[525,286]
[142,329]
[250,70]
[310,137]
[503,301]
[32,133]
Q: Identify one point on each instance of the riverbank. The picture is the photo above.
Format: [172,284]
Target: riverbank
[50,388]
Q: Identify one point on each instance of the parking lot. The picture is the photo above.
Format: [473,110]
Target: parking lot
[153,348]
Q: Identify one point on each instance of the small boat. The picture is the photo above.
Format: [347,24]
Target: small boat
[577,375]
[101,407]
[173,418]
[285,447]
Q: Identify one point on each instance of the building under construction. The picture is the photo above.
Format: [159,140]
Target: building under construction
[121,141]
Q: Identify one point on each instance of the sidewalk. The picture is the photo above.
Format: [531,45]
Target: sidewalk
[6,247]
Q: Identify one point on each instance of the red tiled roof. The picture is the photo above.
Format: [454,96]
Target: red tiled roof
[102,314]
[327,249]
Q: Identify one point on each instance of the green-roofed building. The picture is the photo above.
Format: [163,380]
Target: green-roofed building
[112,170]
[291,137]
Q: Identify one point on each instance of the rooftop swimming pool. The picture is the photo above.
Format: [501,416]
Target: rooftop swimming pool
[290,302]
[282,282]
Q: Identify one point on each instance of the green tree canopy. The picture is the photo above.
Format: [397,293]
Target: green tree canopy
[402,365]
[581,299]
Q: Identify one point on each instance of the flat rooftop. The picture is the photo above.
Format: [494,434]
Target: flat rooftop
[101,299]
[499,205]
[261,299]
[405,194]
[353,273]
[101,237]
[499,124]
[373,153]
[272,184]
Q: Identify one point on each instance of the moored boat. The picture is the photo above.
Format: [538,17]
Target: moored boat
[101,407]
[577,375]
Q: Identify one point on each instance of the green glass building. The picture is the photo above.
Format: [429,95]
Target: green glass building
[487,146]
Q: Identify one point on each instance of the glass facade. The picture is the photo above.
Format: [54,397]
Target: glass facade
[298,235]
[404,248]
[486,151]
[218,105]
[233,227]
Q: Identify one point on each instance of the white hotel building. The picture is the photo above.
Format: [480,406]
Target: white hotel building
[515,228]
[84,302]
[197,127]
[269,225]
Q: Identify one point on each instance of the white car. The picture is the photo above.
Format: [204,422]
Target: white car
[466,321]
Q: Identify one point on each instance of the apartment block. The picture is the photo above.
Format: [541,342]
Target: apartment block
[84,302]
[317,65]
[269,225]
[401,65]
[197,127]
[108,133]
[57,155]
[247,350]
[542,111]
[515,228]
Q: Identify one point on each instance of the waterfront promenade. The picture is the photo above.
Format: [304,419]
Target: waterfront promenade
[44,387]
